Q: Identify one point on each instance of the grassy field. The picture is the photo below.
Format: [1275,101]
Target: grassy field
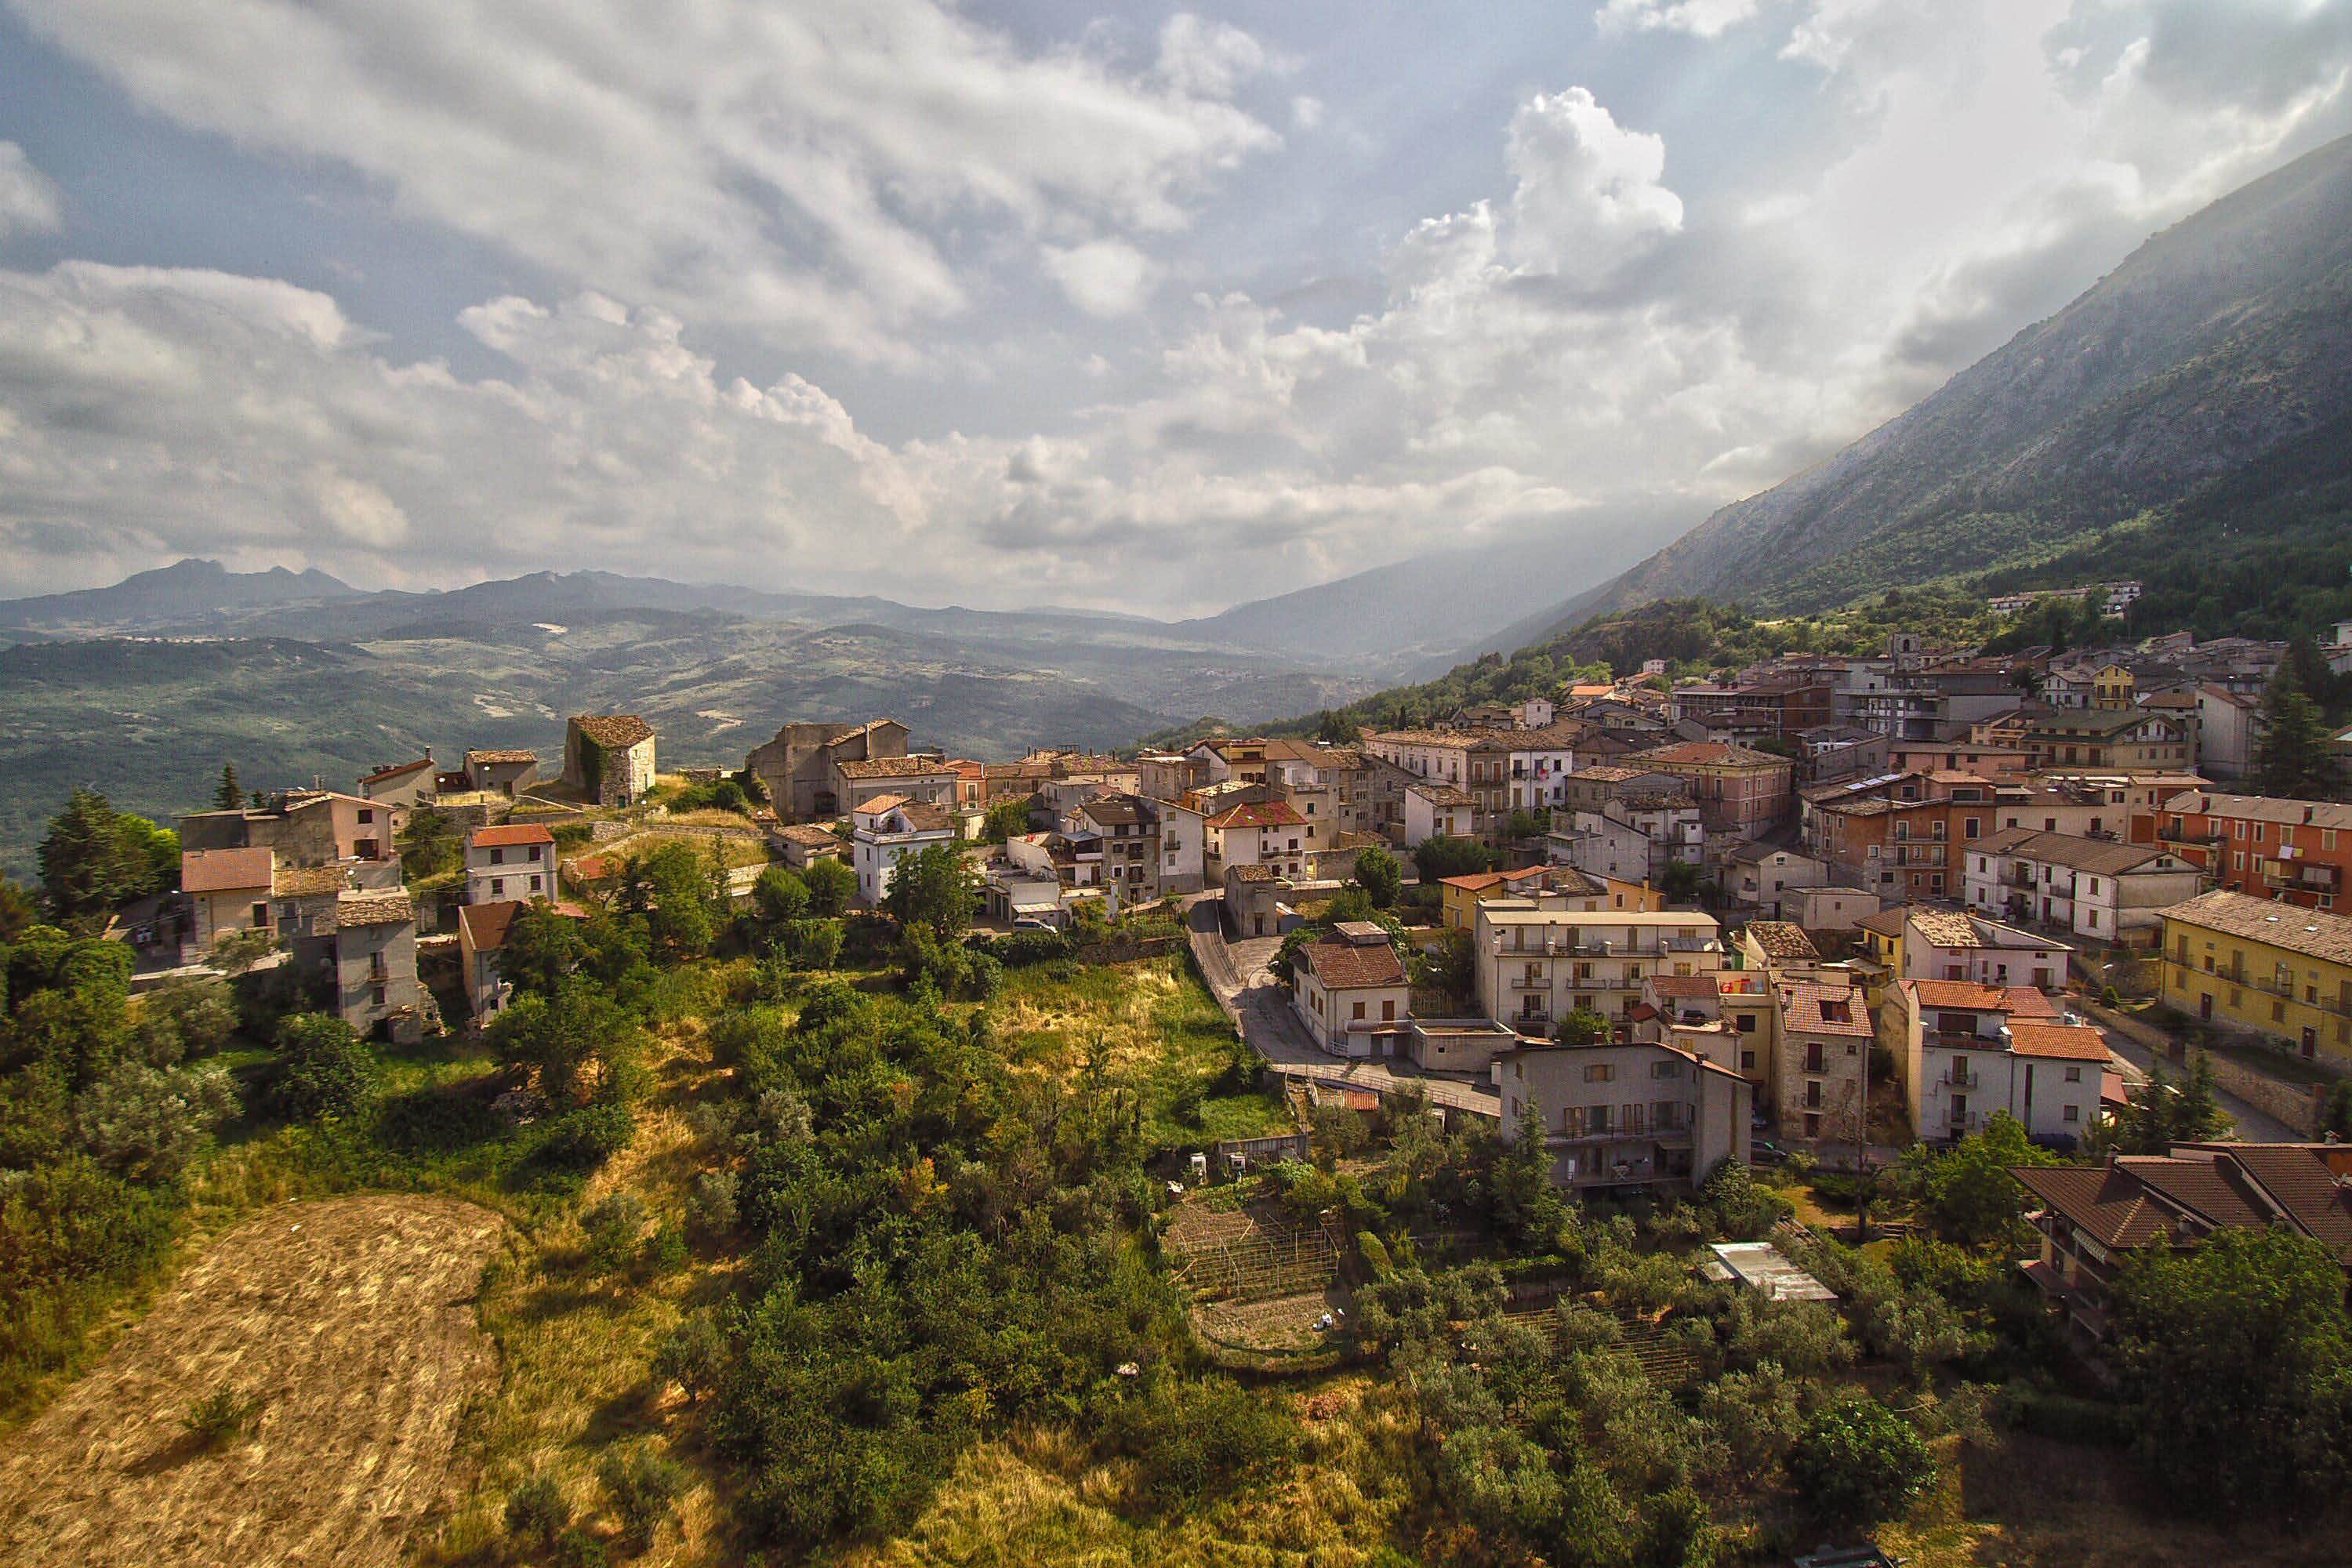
[1151,1024]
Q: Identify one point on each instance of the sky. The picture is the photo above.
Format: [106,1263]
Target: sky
[1146,309]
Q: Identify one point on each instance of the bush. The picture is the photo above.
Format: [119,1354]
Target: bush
[613,1227]
[664,1251]
[184,1018]
[644,1486]
[324,1070]
[1858,1462]
[711,1210]
[149,1123]
[1020,948]
[693,1356]
[584,1139]
[780,895]
[1195,1440]
[578,1549]
[222,1415]
[538,1512]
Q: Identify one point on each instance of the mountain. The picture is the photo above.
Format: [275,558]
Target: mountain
[1400,619]
[2213,343]
[184,591]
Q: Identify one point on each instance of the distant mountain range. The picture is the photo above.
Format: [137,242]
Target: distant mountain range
[145,687]
[2221,340]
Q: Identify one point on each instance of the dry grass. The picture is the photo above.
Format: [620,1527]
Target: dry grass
[350,1321]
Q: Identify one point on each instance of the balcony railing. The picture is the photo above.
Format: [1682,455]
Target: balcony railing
[1956,1079]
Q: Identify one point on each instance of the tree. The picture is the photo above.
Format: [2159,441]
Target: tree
[1857,1462]
[935,888]
[782,897]
[2335,1119]
[2292,759]
[229,795]
[148,1123]
[184,1018]
[671,887]
[2160,1113]
[1333,730]
[1582,1026]
[1526,1209]
[1441,856]
[324,1070]
[2238,1353]
[542,947]
[574,1040]
[831,886]
[16,910]
[1969,1191]
[1381,874]
[96,858]
[1006,819]
[1680,882]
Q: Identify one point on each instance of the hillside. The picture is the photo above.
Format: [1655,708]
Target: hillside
[2219,341]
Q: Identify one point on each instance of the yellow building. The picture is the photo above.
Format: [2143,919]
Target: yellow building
[1560,887]
[1881,962]
[2269,968]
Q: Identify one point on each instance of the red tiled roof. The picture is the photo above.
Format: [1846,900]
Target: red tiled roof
[2016,1000]
[225,870]
[1344,966]
[1258,814]
[1824,1010]
[1683,985]
[485,924]
[1782,939]
[2059,1042]
[1711,754]
[508,835]
[2136,1198]
[401,770]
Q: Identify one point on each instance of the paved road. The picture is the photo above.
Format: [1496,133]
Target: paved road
[1260,1008]
[2254,1126]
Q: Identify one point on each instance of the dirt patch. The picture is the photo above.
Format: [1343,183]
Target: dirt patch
[350,1321]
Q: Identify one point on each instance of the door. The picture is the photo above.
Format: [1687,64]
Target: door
[2310,1043]
[2205,1006]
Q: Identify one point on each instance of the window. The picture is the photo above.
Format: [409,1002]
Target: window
[2278,1011]
[534,883]
[2073,1075]
[498,856]
[498,886]
[1388,1011]
[1359,1010]
[1598,1072]
[1747,1060]
[1665,1069]
[2072,1114]
[366,818]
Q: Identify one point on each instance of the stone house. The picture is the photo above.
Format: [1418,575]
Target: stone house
[798,766]
[227,891]
[608,758]
[303,828]
[1820,1062]
[801,842]
[407,784]
[376,989]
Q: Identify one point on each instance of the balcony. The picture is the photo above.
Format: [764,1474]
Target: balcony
[2302,877]
[1530,983]
[1956,1079]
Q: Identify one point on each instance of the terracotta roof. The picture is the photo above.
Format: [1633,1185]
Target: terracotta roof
[1683,985]
[1824,1010]
[1712,754]
[354,909]
[1451,739]
[1474,881]
[613,732]
[495,756]
[1253,872]
[507,835]
[2314,933]
[1112,811]
[1258,814]
[2262,808]
[2097,857]
[2136,1198]
[2059,1042]
[892,768]
[593,868]
[1781,939]
[2300,1178]
[1946,927]
[485,924]
[306,881]
[921,816]
[225,870]
[809,833]
[2017,1000]
[403,770]
[1886,923]
[879,804]
[1345,965]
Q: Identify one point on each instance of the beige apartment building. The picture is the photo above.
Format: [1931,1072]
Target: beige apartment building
[1536,965]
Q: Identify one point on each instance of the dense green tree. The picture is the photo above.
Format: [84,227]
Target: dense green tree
[831,884]
[1381,874]
[148,1123]
[17,910]
[2162,1113]
[542,947]
[780,895]
[324,1070]
[1581,1026]
[936,889]
[229,795]
[673,887]
[1438,857]
[2292,758]
[1333,730]
[1523,1204]
[1006,819]
[576,1041]
[2238,1353]
[1968,1189]
[96,858]
[2335,1116]
[1857,1462]
[182,1019]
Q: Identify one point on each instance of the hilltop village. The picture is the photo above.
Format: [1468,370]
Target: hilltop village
[1832,1065]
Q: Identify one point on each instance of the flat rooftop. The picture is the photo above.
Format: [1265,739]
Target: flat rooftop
[1766,1270]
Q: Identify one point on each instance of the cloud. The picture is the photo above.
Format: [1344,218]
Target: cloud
[28,201]
[1305,112]
[794,167]
[1102,277]
[1587,198]
[1700,19]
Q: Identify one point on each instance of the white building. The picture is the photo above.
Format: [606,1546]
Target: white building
[1437,811]
[1631,1115]
[1966,1051]
[1536,965]
[885,831]
[1351,991]
[1258,833]
[2096,889]
[513,860]
[1948,945]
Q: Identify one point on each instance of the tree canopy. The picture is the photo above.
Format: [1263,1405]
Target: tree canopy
[96,858]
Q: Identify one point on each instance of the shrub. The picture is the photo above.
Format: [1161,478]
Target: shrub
[711,1210]
[538,1512]
[184,1018]
[149,1123]
[781,896]
[611,1227]
[222,1415]
[1198,1440]
[1857,1462]
[584,1139]
[692,1356]
[324,1070]
[578,1549]
[644,1486]
[664,1251]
